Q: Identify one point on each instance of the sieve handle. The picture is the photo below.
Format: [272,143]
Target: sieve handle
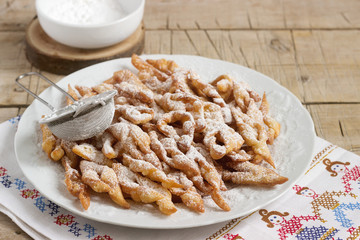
[17,80]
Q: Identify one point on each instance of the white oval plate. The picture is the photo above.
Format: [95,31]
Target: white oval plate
[292,150]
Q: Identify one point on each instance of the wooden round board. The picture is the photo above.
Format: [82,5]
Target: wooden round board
[48,55]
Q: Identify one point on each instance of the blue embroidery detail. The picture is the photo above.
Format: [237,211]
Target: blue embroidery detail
[75,229]
[340,215]
[54,208]
[6,182]
[40,204]
[315,233]
[14,120]
[20,184]
[90,230]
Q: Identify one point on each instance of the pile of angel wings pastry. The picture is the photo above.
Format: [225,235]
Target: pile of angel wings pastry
[174,139]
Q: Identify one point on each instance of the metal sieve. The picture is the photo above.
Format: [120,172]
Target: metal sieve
[81,120]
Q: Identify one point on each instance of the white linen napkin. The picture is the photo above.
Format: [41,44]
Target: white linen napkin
[324,204]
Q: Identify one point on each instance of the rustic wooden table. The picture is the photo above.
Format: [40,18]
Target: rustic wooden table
[310,47]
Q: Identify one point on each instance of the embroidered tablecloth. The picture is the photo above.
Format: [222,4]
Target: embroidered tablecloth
[324,204]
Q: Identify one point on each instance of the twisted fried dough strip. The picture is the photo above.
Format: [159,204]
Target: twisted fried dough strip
[102,179]
[210,174]
[135,114]
[108,140]
[74,183]
[254,134]
[243,93]
[50,144]
[90,153]
[188,127]
[182,101]
[85,92]
[273,125]
[147,169]
[251,174]
[166,66]
[188,194]
[219,138]
[210,92]
[141,65]
[134,141]
[142,189]
[224,86]
[72,93]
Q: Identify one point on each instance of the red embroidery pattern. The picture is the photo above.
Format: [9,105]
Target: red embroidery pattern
[230,236]
[64,219]
[293,225]
[2,171]
[105,237]
[354,233]
[30,193]
[350,175]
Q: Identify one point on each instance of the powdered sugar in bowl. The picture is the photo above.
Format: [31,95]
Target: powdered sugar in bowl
[89,23]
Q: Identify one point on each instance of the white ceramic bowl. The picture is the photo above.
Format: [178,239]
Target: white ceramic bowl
[91,35]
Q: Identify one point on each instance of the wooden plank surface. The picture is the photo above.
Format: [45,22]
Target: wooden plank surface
[253,14]
[310,47]
[338,123]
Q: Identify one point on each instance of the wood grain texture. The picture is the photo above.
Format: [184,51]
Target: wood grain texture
[310,47]
[220,14]
[253,48]
[338,123]
[15,15]
[7,113]
[328,47]
[252,14]
[9,230]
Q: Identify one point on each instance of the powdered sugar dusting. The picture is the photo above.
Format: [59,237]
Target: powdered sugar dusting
[85,12]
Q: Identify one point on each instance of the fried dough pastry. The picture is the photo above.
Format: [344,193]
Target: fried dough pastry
[251,174]
[74,183]
[242,95]
[74,159]
[130,90]
[219,138]
[182,101]
[178,160]
[57,153]
[174,159]
[174,138]
[211,175]
[103,179]
[147,169]
[103,87]
[186,129]
[108,140]
[72,93]
[134,141]
[209,91]
[50,144]
[90,153]
[144,66]
[188,194]
[254,134]
[224,86]
[166,66]
[135,114]
[196,169]
[85,92]
[273,125]
[142,189]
